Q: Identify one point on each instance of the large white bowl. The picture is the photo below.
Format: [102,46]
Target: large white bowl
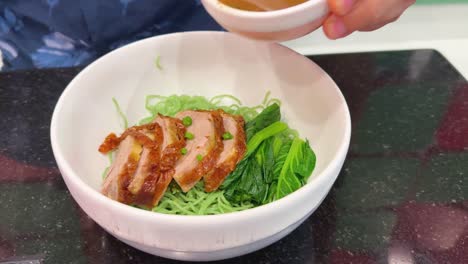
[198,63]
[278,25]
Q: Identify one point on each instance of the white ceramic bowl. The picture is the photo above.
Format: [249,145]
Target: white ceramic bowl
[198,63]
[278,25]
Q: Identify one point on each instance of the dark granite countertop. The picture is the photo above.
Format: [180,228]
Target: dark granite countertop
[402,196]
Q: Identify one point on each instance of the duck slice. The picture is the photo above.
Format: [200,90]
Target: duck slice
[234,149]
[122,169]
[130,146]
[150,158]
[151,181]
[203,147]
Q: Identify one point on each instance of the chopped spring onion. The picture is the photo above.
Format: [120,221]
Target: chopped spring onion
[227,136]
[187,121]
[189,135]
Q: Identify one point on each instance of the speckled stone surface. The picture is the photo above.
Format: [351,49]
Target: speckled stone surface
[402,196]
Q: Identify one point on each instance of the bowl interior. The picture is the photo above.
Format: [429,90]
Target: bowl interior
[198,63]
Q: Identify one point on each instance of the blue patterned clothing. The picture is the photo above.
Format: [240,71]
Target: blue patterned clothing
[62,33]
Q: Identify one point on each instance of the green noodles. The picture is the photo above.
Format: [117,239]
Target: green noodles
[121,114]
[196,202]
[157,62]
[171,105]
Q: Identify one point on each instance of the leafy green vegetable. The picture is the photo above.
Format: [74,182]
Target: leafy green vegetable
[281,156]
[271,196]
[263,177]
[267,117]
[275,154]
[263,134]
[309,160]
[266,159]
[249,181]
[245,183]
[296,169]
[277,144]
[233,178]
[281,146]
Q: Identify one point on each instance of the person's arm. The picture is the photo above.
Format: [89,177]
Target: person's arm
[348,16]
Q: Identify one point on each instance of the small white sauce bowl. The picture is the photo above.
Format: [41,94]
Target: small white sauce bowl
[279,25]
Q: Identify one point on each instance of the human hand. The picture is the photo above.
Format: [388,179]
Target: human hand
[348,16]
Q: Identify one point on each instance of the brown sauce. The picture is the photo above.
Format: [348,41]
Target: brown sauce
[261,5]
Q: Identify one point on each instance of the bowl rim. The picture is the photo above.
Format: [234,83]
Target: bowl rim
[263,14]
[70,175]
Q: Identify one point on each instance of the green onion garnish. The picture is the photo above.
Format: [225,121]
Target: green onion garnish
[187,121]
[227,136]
[183,151]
[199,157]
[189,135]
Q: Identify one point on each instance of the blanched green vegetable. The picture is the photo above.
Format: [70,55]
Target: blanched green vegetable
[277,161]
[263,134]
[281,156]
[266,159]
[296,169]
[267,117]
[249,181]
